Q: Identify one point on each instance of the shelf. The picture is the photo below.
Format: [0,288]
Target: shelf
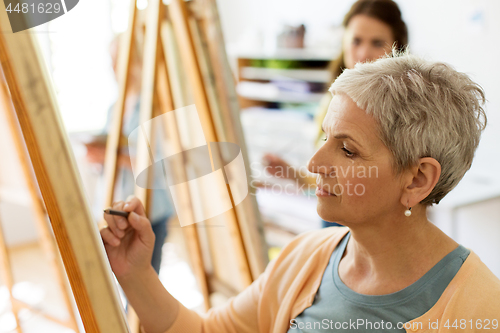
[267,92]
[290,54]
[311,75]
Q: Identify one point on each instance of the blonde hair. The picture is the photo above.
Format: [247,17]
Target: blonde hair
[424,109]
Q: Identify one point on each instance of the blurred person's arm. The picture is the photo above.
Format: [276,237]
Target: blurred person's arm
[279,168]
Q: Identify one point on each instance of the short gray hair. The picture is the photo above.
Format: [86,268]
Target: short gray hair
[424,109]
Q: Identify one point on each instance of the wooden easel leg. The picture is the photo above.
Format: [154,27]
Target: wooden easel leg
[248,214]
[179,15]
[7,277]
[74,230]
[4,253]
[166,102]
[114,135]
[46,238]
[144,158]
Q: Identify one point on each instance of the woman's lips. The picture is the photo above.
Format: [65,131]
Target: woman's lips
[320,192]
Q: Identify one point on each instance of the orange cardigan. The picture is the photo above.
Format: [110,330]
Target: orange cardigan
[291,281]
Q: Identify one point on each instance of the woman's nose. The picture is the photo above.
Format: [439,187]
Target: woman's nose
[311,167]
[319,165]
[363,54]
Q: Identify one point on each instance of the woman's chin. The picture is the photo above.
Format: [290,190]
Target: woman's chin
[327,214]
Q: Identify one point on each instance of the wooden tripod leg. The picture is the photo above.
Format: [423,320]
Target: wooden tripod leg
[144,157]
[5,265]
[248,212]
[115,131]
[7,277]
[145,147]
[47,241]
[55,168]
[166,102]
[113,144]
[179,15]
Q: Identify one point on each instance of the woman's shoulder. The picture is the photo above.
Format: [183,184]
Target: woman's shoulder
[474,293]
[479,282]
[478,274]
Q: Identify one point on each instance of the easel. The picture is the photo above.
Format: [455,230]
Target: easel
[192,36]
[46,238]
[76,234]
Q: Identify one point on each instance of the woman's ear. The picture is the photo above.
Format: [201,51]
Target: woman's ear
[425,176]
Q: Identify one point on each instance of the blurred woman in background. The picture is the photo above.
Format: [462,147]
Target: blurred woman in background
[372,27]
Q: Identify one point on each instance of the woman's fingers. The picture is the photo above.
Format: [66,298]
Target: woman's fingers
[133,204]
[116,225]
[142,226]
[108,237]
[121,222]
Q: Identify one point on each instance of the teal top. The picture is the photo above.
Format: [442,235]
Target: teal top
[338,308]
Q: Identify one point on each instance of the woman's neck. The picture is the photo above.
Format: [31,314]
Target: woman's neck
[387,256]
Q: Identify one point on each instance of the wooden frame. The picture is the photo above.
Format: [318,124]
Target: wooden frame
[76,233]
[114,143]
[230,129]
[166,79]
[180,20]
[45,236]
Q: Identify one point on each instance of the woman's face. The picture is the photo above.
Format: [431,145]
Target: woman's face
[355,179]
[365,39]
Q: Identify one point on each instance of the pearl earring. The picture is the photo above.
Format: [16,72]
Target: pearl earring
[407,211]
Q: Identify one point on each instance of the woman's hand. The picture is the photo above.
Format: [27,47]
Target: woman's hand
[276,166]
[129,242]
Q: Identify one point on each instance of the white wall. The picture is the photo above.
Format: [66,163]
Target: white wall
[465,34]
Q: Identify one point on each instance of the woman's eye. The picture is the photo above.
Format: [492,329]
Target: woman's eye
[347,152]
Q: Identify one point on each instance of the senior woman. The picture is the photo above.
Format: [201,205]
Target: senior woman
[400,134]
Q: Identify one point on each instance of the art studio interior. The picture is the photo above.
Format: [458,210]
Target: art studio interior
[200,157]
